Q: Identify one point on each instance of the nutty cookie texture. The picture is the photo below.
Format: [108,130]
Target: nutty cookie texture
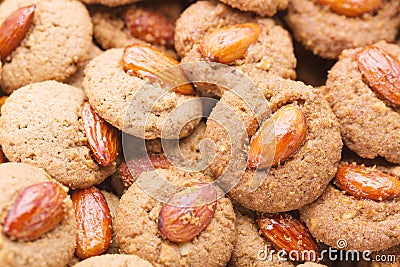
[54,248]
[291,183]
[114,260]
[41,124]
[365,224]
[249,242]
[56,44]
[261,7]
[137,230]
[369,123]
[265,47]
[111,92]
[326,33]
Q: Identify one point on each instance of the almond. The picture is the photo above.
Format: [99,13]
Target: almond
[188,212]
[94,222]
[131,170]
[269,147]
[381,71]
[352,8]
[37,210]
[147,62]
[149,26]
[288,234]
[2,157]
[14,29]
[363,182]
[2,101]
[230,43]
[102,137]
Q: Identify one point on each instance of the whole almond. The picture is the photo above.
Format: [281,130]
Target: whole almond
[149,26]
[14,29]
[37,210]
[278,138]
[363,182]
[147,62]
[230,43]
[352,8]
[288,234]
[381,71]
[94,222]
[187,213]
[131,170]
[102,137]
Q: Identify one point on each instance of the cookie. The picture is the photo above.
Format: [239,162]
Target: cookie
[41,125]
[76,79]
[54,248]
[261,7]
[57,43]
[326,33]
[153,22]
[249,243]
[137,231]
[367,122]
[293,183]
[114,260]
[132,104]
[364,224]
[272,51]
[111,3]
[112,202]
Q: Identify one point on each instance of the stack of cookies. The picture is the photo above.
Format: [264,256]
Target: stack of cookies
[199,133]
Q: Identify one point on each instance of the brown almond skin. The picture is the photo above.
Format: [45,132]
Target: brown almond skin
[187,213]
[149,26]
[37,210]
[381,71]
[14,29]
[94,222]
[102,137]
[2,157]
[147,62]
[230,43]
[289,234]
[363,182]
[290,133]
[131,170]
[352,8]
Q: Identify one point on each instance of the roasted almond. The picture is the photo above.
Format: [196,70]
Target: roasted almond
[187,213]
[363,182]
[2,101]
[14,29]
[37,210]
[288,234]
[149,26]
[352,8]
[230,43]
[2,157]
[102,137]
[147,62]
[131,170]
[381,71]
[278,138]
[94,222]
